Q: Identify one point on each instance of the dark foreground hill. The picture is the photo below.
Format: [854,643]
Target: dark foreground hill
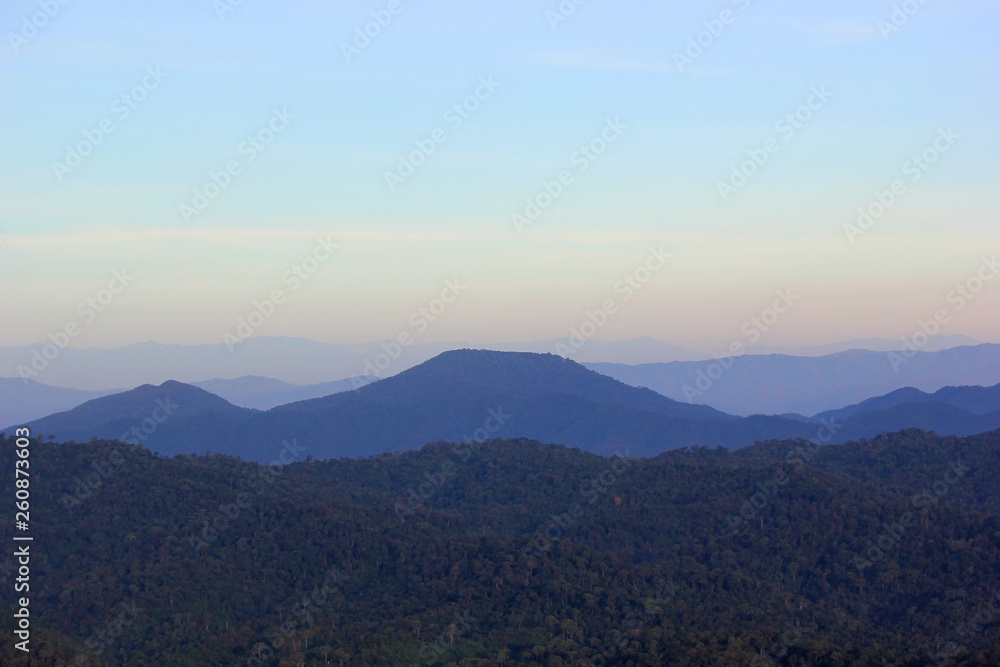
[514,553]
[463,394]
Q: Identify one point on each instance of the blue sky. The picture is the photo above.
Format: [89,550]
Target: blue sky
[348,121]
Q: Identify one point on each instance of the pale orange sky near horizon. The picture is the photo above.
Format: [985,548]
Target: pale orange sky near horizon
[709,288]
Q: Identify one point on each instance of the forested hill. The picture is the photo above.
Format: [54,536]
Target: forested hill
[513,552]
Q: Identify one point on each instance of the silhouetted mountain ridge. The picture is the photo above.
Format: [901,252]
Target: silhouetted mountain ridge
[459,395]
[464,395]
[170,413]
[487,374]
[975,400]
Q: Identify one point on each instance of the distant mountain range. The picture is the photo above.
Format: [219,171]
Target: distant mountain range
[458,395]
[779,384]
[475,395]
[301,361]
[251,391]
[935,344]
[292,360]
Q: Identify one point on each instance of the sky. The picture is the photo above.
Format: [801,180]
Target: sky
[515,169]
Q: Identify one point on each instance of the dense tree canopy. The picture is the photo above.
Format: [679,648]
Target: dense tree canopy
[513,552]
